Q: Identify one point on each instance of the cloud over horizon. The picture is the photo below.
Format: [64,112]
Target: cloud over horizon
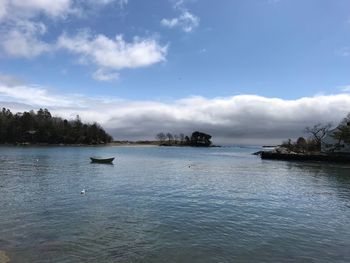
[241,119]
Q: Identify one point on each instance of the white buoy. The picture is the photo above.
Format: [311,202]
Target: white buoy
[83,191]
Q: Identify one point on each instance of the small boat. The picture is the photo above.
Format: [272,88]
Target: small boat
[96,160]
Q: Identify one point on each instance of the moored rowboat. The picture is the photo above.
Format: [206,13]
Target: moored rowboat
[96,160]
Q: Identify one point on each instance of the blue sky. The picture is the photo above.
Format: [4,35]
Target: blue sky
[167,51]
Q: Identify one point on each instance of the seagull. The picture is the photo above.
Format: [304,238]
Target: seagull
[83,191]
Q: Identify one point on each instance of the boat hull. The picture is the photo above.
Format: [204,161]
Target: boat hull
[108,160]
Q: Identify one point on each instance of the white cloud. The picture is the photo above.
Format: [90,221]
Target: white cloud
[23,40]
[31,95]
[51,8]
[186,20]
[105,75]
[345,88]
[115,54]
[121,3]
[3,8]
[21,34]
[237,119]
[11,9]
[18,8]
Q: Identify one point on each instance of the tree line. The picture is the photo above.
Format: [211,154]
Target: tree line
[342,133]
[41,127]
[196,139]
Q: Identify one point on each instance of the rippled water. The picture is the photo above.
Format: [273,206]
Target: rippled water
[159,204]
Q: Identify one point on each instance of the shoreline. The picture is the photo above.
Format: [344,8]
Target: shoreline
[51,145]
[304,157]
[115,143]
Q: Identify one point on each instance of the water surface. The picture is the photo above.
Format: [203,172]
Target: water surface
[159,204]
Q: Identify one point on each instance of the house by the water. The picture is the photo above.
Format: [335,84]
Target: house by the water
[330,144]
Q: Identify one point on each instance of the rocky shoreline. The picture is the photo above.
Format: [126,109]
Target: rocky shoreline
[314,156]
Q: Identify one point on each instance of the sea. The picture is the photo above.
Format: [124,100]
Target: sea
[170,204]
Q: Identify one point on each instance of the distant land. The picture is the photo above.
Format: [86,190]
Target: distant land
[323,144]
[197,139]
[133,143]
[41,128]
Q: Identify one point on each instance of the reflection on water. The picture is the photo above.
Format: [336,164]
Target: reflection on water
[170,205]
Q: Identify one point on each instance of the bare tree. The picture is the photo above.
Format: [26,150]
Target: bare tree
[169,136]
[318,132]
[343,131]
[182,137]
[161,137]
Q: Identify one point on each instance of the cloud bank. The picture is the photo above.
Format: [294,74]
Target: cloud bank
[241,119]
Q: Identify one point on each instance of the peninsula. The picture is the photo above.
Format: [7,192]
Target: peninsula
[323,144]
[197,139]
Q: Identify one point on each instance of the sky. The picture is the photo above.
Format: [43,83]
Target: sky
[245,71]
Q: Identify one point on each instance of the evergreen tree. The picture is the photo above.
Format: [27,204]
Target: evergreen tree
[41,127]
